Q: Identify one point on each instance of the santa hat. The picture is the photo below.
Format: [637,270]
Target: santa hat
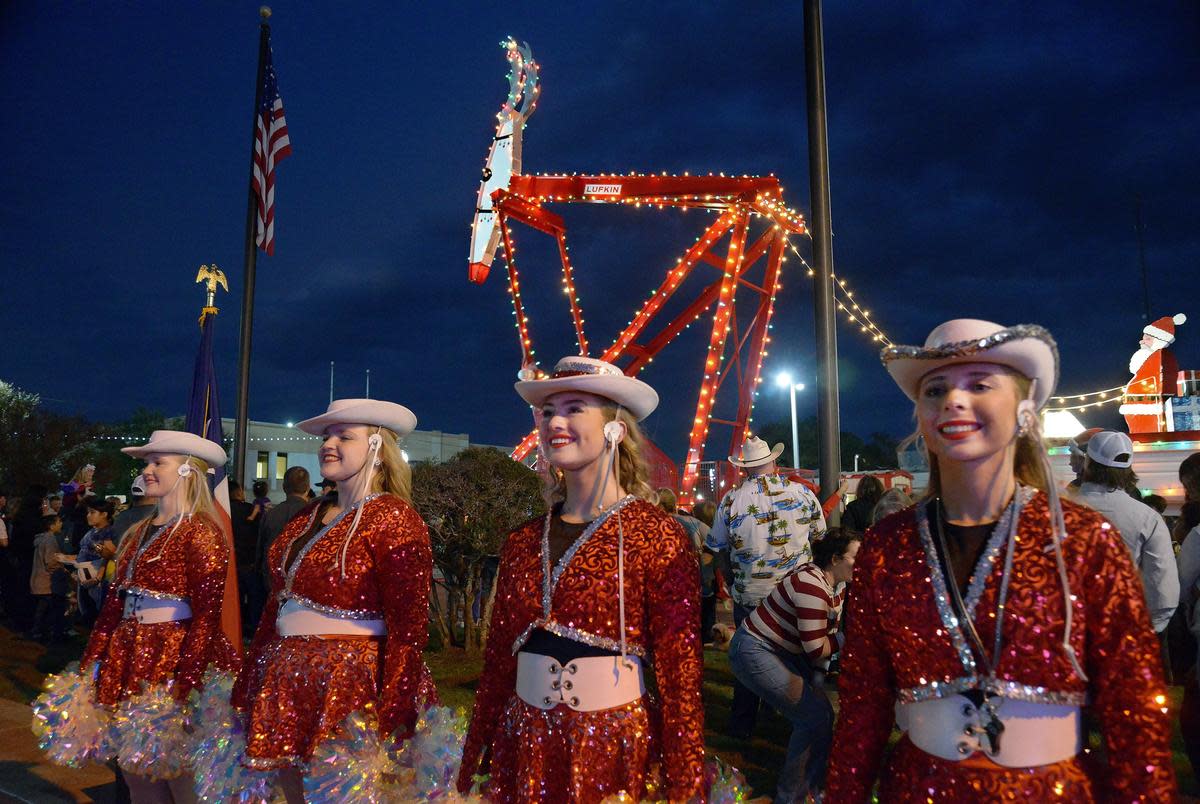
[1164,328]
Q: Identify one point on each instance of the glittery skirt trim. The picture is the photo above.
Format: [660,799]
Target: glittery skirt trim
[561,755]
[595,640]
[306,688]
[138,654]
[1009,689]
[345,614]
[911,775]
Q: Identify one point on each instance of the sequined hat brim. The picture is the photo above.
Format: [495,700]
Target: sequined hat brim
[1025,348]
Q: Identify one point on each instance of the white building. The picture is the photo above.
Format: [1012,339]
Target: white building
[272,448]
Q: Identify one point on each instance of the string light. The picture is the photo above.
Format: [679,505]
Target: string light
[844,298]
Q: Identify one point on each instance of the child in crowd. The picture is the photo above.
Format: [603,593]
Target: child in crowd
[50,583]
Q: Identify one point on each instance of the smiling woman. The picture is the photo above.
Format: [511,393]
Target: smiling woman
[1039,611]
[160,628]
[340,641]
[585,598]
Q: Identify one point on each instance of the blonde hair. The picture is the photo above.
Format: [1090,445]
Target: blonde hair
[633,475]
[1028,465]
[395,476]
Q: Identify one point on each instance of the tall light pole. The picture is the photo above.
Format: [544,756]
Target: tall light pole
[785,380]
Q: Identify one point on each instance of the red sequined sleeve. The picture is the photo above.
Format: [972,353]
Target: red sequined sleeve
[249,677]
[673,607]
[110,616]
[499,677]
[208,556]
[404,567]
[1125,674]
[866,685]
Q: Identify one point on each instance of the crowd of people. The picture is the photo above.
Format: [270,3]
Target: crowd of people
[993,622]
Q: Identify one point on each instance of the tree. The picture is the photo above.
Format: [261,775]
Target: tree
[470,504]
[36,444]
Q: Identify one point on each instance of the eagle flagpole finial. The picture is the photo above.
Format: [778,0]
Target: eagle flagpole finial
[211,276]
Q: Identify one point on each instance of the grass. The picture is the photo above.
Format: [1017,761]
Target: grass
[23,665]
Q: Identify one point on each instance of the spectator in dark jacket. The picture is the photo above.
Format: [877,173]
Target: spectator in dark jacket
[857,516]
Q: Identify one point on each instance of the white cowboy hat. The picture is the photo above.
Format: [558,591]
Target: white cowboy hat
[594,377]
[377,412]
[175,442]
[755,452]
[1025,348]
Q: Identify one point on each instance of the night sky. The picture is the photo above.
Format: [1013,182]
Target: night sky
[984,163]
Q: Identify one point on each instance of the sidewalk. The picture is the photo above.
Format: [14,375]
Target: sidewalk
[26,776]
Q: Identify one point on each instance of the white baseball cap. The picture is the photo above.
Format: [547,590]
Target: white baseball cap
[1110,448]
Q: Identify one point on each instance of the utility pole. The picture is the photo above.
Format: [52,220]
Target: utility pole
[828,426]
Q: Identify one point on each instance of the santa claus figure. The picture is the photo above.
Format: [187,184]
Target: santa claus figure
[1155,374]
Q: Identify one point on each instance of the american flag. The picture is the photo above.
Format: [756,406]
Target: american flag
[271,145]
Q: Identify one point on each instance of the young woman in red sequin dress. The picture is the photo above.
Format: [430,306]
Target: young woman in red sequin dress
[588,598]
[162,623]
[988,618]
[346,622]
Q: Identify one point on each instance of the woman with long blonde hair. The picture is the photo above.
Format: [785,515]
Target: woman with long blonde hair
[345,625]
[988,618]
[161,627]
[584,597]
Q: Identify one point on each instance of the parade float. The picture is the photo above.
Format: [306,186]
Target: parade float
[1161,407]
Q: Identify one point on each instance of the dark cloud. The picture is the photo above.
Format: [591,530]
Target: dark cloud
[984,162]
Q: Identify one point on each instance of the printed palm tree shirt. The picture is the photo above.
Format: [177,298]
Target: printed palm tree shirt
[767,524]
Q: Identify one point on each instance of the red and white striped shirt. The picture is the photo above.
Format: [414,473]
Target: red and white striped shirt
[800,615]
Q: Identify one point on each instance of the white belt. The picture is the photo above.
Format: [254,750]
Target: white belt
[296,619]
[953,728]
[587,684]
[148,609]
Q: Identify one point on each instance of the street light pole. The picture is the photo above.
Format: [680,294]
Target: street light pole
[793,387]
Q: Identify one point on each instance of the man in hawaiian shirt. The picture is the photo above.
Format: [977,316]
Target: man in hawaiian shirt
[764,526]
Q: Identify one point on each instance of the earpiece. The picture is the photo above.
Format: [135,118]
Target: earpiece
[1026,416]
[614,432]
[1026,410]
[185,468]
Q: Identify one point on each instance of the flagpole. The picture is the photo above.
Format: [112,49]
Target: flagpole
[251,258]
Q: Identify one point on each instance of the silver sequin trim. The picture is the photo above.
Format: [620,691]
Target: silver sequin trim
[290,574]
[131,567]
[941,596]
[577,635]
[979,576]
[1008,689]
[273,763]
[983,569]
[140,590]
[972,347]
[345,614]
[550,581]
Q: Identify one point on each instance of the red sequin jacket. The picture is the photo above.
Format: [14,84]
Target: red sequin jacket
[662,600]
[388,569]
[187,564]
[900,646]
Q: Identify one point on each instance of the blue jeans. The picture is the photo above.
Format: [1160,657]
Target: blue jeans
[743,711]
[776,676]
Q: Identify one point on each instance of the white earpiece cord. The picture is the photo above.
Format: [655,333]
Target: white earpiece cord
[1029,422]
[184,470]
[376,442]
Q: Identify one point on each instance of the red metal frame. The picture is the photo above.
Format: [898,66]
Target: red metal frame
[732,351]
